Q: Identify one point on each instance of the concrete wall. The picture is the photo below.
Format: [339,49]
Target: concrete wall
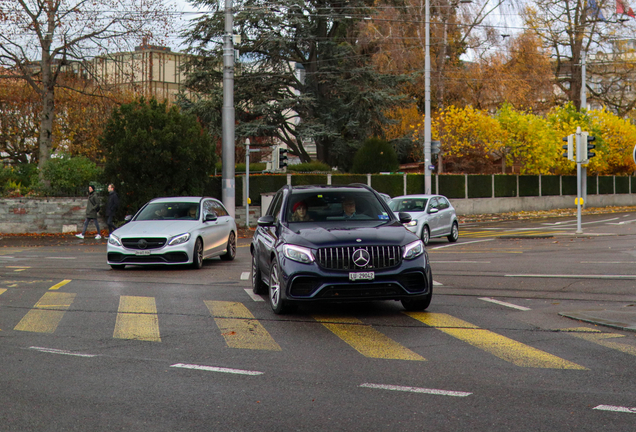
[59,215]
[43,215]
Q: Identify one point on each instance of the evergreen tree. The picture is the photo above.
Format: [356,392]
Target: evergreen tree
[305,75]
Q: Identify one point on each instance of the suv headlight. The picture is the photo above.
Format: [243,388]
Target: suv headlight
[114,240]
[178,239]
[413,250]
[298,253]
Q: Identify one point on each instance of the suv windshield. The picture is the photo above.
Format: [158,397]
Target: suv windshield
[408,205]
[168,210]
[335,205]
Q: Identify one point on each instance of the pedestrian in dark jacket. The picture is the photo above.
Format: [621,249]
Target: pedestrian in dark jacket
[92,207]
[111,208]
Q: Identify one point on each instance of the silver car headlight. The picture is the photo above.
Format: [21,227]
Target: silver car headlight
[298,253]
[412,223]
[114,240]
[179,239]
[413,250]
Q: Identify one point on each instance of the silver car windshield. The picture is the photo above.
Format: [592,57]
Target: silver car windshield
[408,205]
[169,211]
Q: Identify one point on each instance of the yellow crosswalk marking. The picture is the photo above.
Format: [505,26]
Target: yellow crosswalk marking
[599,338]
[366,340]
[47,313]
[137,319]
[239,327]
[507,349]
[59,285]
[2,290]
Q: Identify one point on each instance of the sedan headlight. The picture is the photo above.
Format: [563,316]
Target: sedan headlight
[413,250]
[179,239]
[298,253]
[114,240]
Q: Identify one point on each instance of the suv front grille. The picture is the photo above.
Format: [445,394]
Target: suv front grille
[342,258]
[143,243]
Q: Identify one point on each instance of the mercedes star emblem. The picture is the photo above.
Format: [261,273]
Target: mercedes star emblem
[361,257]
[142,244]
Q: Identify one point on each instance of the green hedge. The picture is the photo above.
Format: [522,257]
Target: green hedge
[345,179]
[528,185]
[452,186]
[392,184]
[622,184]
[605,185]
[505,185]
[309,179]
[550,185]
[569,185]
[591,185]
[415,184]
[479,186]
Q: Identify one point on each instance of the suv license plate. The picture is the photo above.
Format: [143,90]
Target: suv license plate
[142,252]
[361,276]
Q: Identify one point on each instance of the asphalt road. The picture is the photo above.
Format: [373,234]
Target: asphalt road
[87,348]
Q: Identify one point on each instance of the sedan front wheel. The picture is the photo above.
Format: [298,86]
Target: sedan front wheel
[197,259]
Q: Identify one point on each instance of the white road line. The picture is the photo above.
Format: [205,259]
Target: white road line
[461,244]
[615,409]
[608,262]
[584,223]
[460,262]
[416,390]
[254,297]
[502,303]
[435,283]
[62,352]
[573,276]
[68,258]
[245,276]
[216,369]
[622,223]
[6,257]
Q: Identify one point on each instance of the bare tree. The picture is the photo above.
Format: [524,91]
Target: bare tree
[570,28]
[42,39]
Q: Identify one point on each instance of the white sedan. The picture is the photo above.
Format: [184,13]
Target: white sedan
[432,216]
[174,231]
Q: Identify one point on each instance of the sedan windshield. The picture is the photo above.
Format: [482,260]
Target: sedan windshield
[335,205]
[169,211]
[408,205]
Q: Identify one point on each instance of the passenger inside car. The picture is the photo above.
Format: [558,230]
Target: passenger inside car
[299,212]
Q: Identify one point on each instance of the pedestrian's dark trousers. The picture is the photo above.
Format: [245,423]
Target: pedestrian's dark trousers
[86,225]
[111,225]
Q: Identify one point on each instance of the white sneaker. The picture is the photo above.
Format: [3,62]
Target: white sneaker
[79,236]
[98,237]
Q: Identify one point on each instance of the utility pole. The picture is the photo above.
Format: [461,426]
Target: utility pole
[427,101]
[579,161]
[228,185]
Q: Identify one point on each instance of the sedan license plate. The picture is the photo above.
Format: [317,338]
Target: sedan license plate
[142,252]
[361,276]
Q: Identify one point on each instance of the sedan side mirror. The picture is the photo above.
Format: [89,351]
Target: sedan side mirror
[266,221]
[210,217]
[128,218]
[405,217]
[433,210]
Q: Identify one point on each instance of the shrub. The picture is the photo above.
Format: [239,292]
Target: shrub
[70,175]
[152,151]
[375,156]
[309,167]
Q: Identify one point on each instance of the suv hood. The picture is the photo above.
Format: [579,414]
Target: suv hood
[313,236]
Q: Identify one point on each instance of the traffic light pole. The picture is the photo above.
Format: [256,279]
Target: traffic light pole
[579,161]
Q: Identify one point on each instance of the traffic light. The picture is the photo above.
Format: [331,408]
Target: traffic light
[587,139]
[282,158]
[569,147]
[435,147]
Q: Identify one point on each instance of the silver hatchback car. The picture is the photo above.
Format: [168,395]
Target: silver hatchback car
[177,230]
[432,216]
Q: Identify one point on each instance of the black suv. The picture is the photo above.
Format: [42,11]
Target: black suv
[337,243]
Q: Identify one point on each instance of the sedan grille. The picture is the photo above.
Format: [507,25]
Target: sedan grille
[143,243]
[359,257]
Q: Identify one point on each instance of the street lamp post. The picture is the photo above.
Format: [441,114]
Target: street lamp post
[427,101]
[228,188]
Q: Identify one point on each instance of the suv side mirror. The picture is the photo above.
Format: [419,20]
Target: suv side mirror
[128,218]
[265,221]
[405,217]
